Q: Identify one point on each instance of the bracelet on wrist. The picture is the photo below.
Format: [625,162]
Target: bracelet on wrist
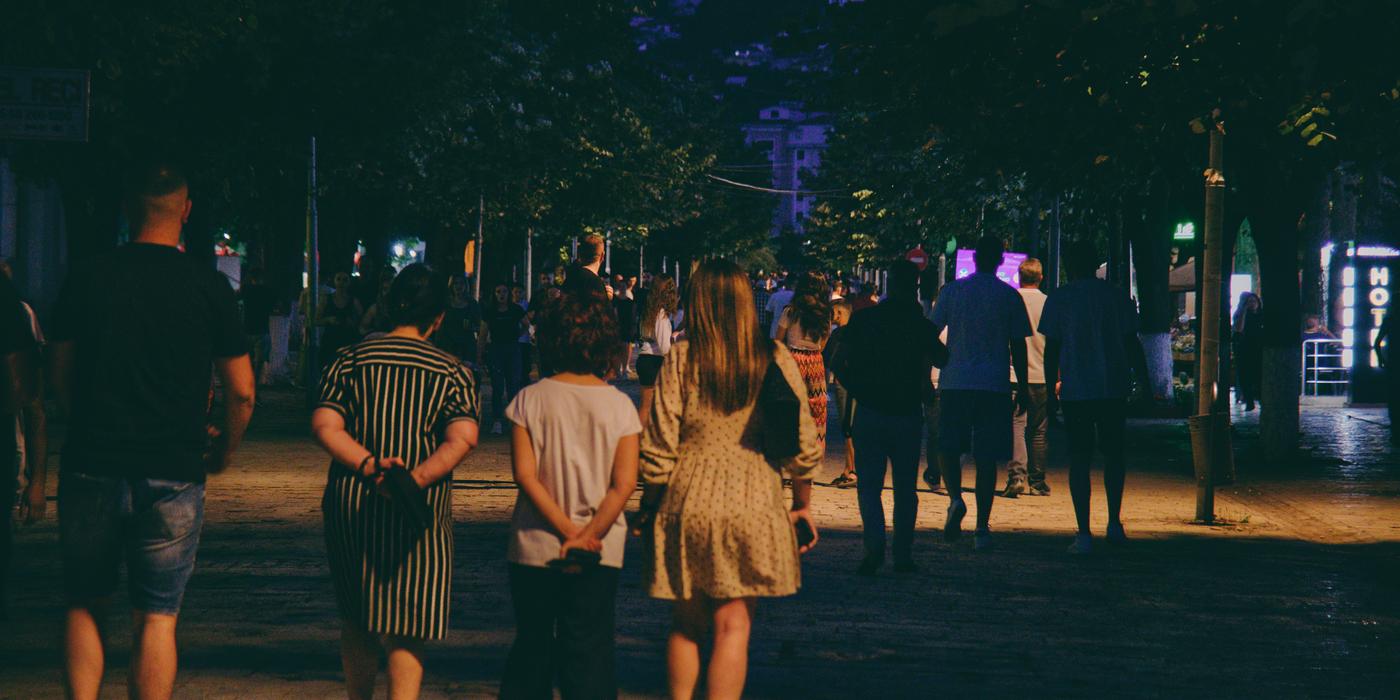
[361,468]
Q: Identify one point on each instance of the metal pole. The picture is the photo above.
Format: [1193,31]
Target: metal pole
[476,262]
[641,261]
[313,264]
[942,270]
[607,252]
[1207,382]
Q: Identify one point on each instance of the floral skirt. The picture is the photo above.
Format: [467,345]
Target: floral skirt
[813,369]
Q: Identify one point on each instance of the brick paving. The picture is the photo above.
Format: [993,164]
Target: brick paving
[1292,594]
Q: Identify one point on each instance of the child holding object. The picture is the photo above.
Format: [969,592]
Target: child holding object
[574,446]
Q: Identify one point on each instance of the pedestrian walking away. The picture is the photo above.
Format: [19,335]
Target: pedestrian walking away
[574,447]
[987,330]
[883,362]
[1030,448]
[134,341]
[720,536]
[504,322]
[20,393]
[1090,327]
[657,333]
[845,405]
[396,415]
[804,327]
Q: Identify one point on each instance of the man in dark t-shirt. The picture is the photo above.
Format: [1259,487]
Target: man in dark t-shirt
[503,326]
[258,301]
[582,276]
[136,341]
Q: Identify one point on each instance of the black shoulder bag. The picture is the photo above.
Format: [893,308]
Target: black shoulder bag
[779,408]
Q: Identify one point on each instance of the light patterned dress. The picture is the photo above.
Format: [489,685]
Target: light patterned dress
[722,529]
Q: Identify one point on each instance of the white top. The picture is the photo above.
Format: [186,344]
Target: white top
[776,303]
[1035,344]
[660,341]
[796,338]
[574,431]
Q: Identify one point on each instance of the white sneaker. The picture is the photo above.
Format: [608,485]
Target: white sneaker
[496,428]
[1083,544]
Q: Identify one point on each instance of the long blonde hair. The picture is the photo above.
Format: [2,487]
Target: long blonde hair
[728,355]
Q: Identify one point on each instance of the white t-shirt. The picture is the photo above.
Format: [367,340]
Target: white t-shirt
[776,303]
[660,341]
[1035,345]
[574,430]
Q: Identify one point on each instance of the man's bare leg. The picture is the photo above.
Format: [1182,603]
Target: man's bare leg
[153,656]
[82,650]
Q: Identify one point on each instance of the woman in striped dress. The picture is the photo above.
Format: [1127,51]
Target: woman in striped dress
[804,328]
[395,402]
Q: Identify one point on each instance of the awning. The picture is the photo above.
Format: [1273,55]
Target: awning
[1183,278]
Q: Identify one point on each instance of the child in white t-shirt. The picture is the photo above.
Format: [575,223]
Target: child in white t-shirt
[574,447]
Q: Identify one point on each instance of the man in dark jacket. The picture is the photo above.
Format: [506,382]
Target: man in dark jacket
[883,362]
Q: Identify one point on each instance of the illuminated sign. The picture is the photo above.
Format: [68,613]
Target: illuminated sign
[1184,232]
[1009,271]
[1366,298]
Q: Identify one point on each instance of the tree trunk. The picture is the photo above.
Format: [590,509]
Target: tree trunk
[1152,257]
[1275,223]
[1317,230]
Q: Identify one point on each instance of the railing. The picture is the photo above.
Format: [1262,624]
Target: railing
[1324,372]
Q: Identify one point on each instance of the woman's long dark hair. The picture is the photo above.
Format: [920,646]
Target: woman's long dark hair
[811,306]
[661,299]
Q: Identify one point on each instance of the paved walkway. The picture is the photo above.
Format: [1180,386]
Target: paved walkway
[1293,594]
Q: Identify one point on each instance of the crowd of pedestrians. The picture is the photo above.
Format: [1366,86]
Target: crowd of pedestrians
[737,379]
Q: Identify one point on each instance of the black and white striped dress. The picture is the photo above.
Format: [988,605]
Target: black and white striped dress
[397,396]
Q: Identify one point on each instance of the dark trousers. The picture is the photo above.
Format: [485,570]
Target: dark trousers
[507,368]
[932,472]
[883,440]
[563,631]
[1100,424]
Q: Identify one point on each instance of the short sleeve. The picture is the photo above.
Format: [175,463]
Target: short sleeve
[229,340]
[939,315]
[1050,317]
[461,400]
[335,392]
[628,422]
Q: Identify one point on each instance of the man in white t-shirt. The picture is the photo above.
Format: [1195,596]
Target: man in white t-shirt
[1025,473]
[778,301]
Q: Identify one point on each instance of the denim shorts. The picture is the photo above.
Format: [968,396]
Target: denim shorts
[152,525]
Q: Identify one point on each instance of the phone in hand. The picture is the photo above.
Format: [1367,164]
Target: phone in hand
[805,536]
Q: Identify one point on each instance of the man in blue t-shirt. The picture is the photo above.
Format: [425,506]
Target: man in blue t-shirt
[1090,329]
[987,330]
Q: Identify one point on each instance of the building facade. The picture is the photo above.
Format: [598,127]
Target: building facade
[795,141]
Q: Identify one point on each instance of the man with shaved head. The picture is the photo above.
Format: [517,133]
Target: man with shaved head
[137,339]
